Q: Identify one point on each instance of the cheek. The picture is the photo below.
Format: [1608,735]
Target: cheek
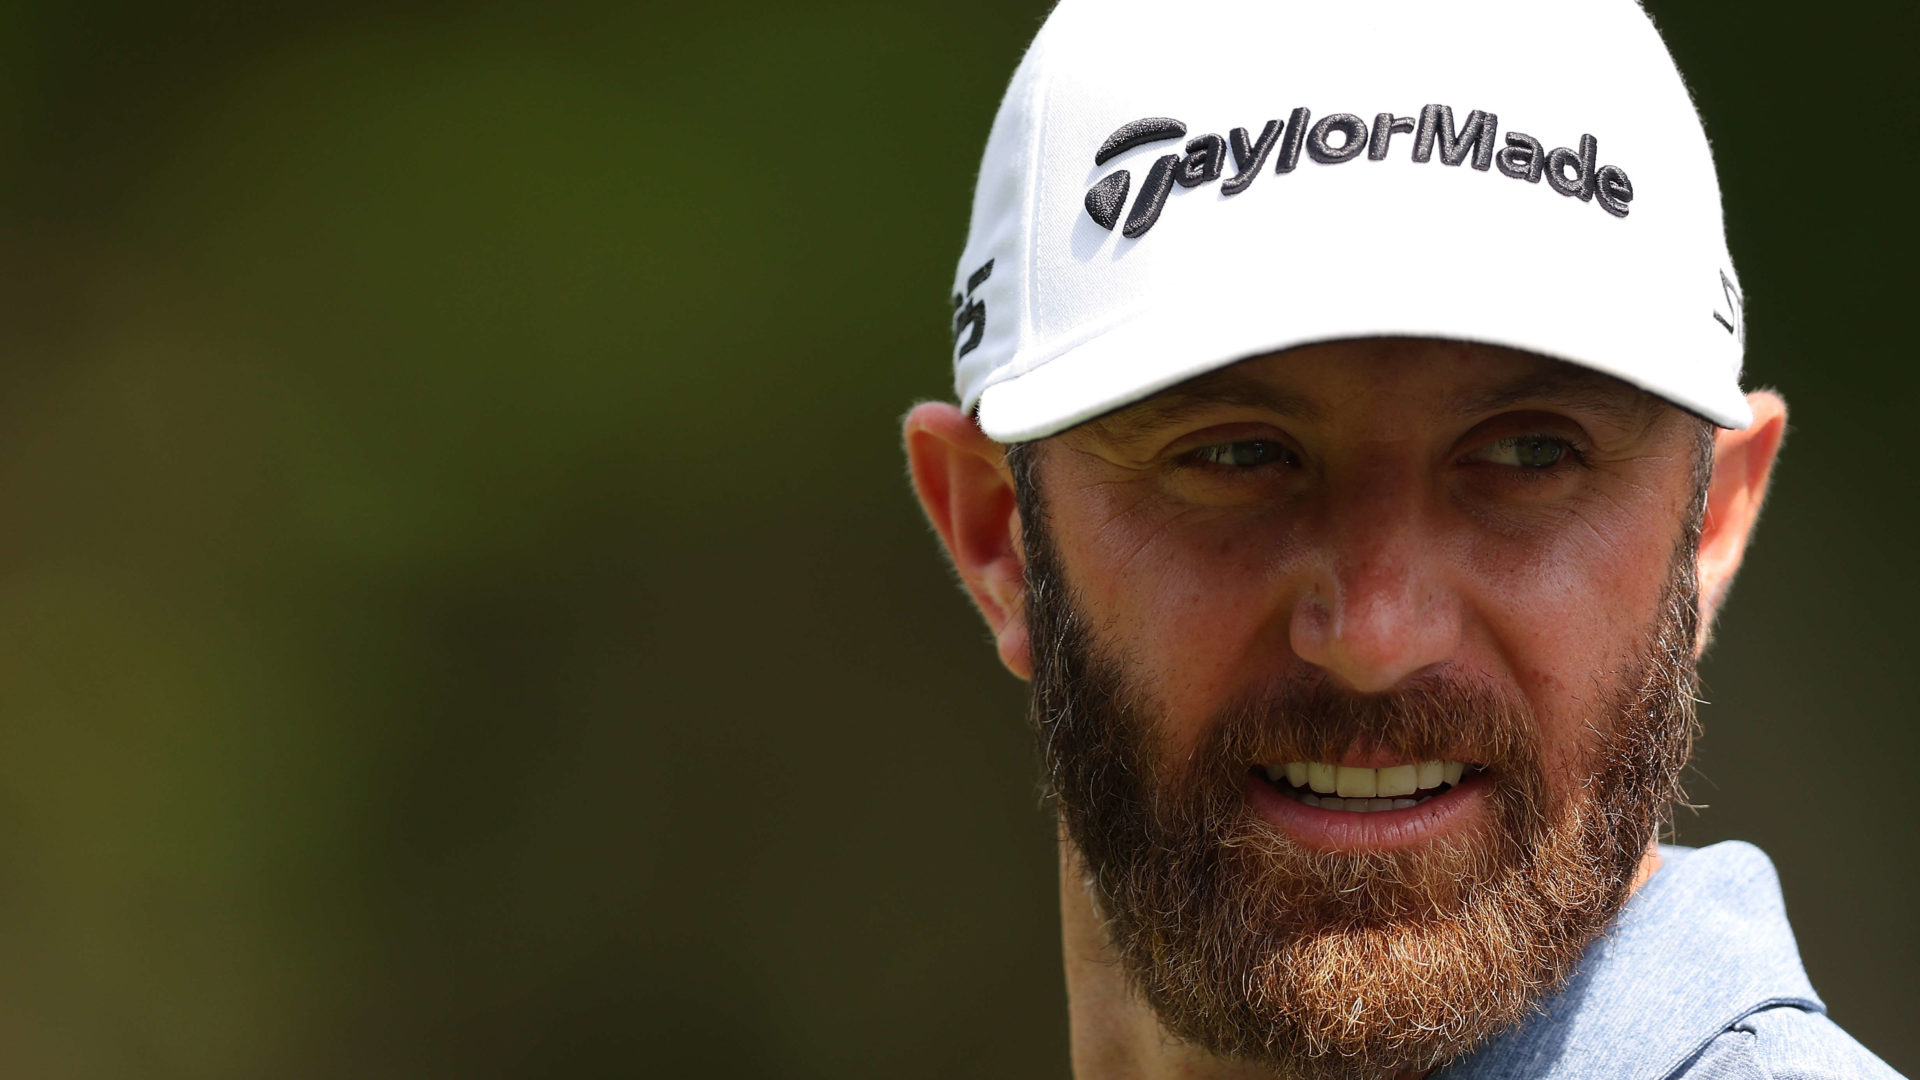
[1567,619]
[1189,600]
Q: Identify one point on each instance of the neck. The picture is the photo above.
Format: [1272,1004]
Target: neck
[1115,1035]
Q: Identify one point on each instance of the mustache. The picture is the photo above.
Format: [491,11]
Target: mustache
[1435,716]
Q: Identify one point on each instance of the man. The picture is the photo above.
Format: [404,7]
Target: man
[1357,490]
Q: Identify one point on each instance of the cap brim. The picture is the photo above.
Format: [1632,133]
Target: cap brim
[1192,335]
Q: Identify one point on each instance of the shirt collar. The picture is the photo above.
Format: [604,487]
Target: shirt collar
[1703,943]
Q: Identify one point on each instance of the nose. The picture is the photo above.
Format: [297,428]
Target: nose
[1375,605]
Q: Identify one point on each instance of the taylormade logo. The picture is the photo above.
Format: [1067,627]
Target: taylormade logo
[1338,138]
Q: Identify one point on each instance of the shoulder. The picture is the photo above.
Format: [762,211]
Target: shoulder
[1784,1043]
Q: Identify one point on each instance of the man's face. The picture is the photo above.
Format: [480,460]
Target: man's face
[1363,558]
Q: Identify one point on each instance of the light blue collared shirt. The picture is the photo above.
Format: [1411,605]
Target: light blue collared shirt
[1699,979]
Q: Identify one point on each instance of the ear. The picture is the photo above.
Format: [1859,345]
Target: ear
[1742,464]
[965,487]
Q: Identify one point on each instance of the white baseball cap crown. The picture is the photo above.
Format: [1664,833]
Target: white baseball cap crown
[1170,188]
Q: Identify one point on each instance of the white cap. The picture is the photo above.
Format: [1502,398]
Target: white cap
[1171,187]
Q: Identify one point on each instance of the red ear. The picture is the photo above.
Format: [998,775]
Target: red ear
[1742,464]
[962,479]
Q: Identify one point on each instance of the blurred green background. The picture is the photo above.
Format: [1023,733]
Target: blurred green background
[461,612]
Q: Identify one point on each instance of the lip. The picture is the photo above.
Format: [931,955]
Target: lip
[1454,811]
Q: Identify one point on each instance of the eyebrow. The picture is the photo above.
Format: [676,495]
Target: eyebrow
[1181,402]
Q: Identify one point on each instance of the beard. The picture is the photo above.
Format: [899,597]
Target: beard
[1329,965]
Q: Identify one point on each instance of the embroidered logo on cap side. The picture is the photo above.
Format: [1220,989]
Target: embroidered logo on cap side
[1335,139]
[1735,320]
[970,315]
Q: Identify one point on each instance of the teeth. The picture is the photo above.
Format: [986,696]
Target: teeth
[1320,777]
[1398,780]
[1339,787]
[1359,806]
[1357,783]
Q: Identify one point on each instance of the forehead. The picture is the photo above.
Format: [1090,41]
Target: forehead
[1389,381]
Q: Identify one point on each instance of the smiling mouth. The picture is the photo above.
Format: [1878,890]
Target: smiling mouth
[1341,787]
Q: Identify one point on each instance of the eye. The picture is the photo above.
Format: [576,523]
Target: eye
[1538,452]
[1246,454]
